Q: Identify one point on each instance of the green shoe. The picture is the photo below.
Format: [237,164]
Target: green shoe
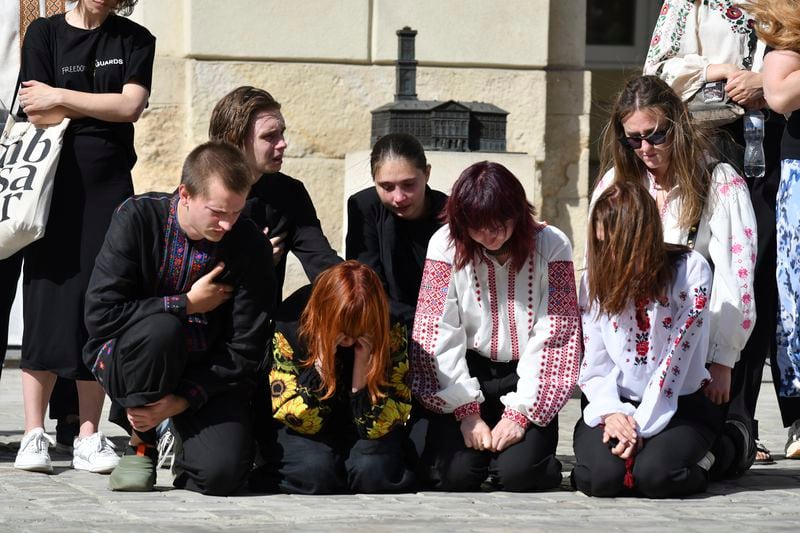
[135,472]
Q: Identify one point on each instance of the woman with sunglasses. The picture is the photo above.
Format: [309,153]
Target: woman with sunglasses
[703,203]
[698,48]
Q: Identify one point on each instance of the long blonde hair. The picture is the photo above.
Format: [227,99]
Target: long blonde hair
[689,145]
[777,22]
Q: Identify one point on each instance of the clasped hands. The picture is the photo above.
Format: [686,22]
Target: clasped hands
[622,427]
[478,436]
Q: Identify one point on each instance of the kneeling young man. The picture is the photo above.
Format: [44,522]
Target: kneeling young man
[177,312]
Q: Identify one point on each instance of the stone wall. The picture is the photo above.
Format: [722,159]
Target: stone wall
[331,63]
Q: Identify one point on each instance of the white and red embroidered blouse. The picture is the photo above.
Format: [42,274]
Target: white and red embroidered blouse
[652,353]
[531,316]
[726,237]
[690,36]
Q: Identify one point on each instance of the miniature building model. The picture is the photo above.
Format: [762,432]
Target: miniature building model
[451,125]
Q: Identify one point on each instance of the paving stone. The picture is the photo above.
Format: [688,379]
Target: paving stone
[765,499]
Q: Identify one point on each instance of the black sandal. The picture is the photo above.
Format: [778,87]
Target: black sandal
[766,454]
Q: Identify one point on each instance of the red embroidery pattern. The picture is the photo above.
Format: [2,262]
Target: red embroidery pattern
[530,293]
[430,308]
[433,288]
[512,321]
[493,310]
[477,288]
[562,298]
[516,416]
[463,411]
[558,372]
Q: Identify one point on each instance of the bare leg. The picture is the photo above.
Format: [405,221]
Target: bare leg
[90,403]
[37,385]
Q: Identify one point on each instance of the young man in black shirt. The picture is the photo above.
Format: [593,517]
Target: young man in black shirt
[178,311]
[250,119]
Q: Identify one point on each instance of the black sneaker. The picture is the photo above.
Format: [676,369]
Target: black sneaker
[793,443]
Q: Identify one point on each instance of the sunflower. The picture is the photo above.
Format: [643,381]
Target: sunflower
[397,339]
[282,386]
[398,380]
[393,414]
[299,416]
[282,346]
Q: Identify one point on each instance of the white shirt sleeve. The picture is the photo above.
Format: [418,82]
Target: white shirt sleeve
[732,250]
[690,36]
[440,377]
[548,366]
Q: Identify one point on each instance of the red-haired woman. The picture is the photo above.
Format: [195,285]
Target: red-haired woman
[647,426]
[496,340]
[339,392]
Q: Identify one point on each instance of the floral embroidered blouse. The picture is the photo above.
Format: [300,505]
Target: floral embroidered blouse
[691,35]
[531,316]
[726,237]
[296,395]
[652,353]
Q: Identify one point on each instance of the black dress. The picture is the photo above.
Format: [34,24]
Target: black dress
[92,179]
[393,247]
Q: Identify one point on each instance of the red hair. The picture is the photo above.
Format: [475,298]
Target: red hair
[487,195]
[347,299]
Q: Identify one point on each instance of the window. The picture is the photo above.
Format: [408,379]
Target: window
[618,32]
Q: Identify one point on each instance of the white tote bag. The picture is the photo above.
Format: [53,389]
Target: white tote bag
[28,162]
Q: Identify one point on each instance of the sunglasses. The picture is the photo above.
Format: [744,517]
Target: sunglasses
[655,138]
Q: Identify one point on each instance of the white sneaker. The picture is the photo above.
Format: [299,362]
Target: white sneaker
[94,453]
[707,461]
[165,444]
[33,455]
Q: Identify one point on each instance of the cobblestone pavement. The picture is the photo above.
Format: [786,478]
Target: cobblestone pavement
[766,499]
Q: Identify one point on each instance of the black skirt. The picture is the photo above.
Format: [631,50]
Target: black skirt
[92,179]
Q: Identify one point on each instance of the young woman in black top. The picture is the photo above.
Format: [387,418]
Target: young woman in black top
[94,67]
[389,225]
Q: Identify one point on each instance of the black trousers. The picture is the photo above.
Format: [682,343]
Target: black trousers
[148,362]
[667,465]
[747,375]
[528,465]
[334,462]
[9,274]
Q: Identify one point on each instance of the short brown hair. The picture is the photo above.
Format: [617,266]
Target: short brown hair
[215,160]
[233,114]
[486,195]
[125,7]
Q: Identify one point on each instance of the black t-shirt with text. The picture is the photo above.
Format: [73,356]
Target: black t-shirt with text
[100,60]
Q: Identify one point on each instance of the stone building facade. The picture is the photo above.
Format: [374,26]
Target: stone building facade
[331,62]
